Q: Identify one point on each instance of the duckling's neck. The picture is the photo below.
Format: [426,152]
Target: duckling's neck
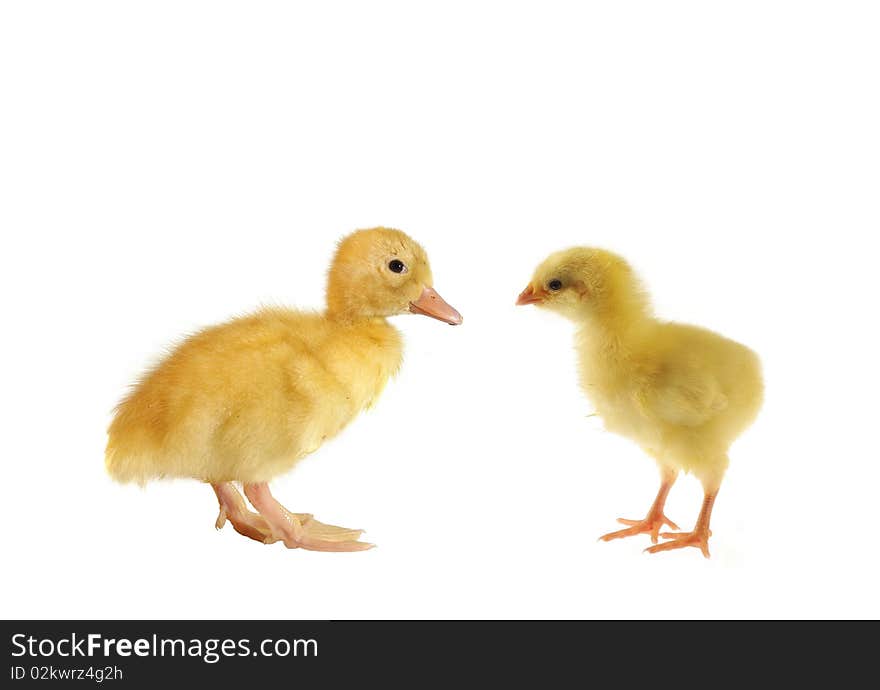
[362,354]
[375,333]
[352,320]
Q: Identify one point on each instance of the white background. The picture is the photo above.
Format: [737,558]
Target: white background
[166,165]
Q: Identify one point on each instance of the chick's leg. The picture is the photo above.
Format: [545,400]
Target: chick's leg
[655,519]
[234,509]
[300,530]
[699,537]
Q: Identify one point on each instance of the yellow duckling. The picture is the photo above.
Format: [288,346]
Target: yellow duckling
[245,400]
[683,393]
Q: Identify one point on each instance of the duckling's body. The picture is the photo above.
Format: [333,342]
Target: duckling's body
[245,400]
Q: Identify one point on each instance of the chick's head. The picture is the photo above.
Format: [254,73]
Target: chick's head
[383,272]
[585,281]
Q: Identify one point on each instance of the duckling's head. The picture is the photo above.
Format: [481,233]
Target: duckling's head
[584,282]
[382,272]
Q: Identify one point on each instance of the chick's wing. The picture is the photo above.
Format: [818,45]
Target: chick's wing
[683,393]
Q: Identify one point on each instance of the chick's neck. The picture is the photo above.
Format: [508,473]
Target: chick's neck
[614,332]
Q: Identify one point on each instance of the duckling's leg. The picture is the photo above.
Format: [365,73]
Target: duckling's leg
[299,530]
[233,508]
[655,518]
[699,537]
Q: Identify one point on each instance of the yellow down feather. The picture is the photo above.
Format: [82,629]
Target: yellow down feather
[681,392]
[246,399]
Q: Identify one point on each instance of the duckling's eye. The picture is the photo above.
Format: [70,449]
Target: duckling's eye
[555,284]
[397,266]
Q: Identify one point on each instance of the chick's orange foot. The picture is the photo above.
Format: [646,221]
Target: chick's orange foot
[699,537]
[301,530]
[650,525]
[679,540]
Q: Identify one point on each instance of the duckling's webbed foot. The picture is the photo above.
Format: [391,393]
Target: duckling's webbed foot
[301,530]
[245,522]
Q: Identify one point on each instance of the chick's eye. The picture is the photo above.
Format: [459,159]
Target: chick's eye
[555,284]
[397,266]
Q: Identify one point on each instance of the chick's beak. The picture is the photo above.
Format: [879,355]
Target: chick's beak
[433,305]
[529,296]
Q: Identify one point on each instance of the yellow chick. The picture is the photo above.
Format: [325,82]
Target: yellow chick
[245,400]
[682,393]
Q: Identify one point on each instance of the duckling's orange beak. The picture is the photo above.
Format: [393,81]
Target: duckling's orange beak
[433,305]
[529,296]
